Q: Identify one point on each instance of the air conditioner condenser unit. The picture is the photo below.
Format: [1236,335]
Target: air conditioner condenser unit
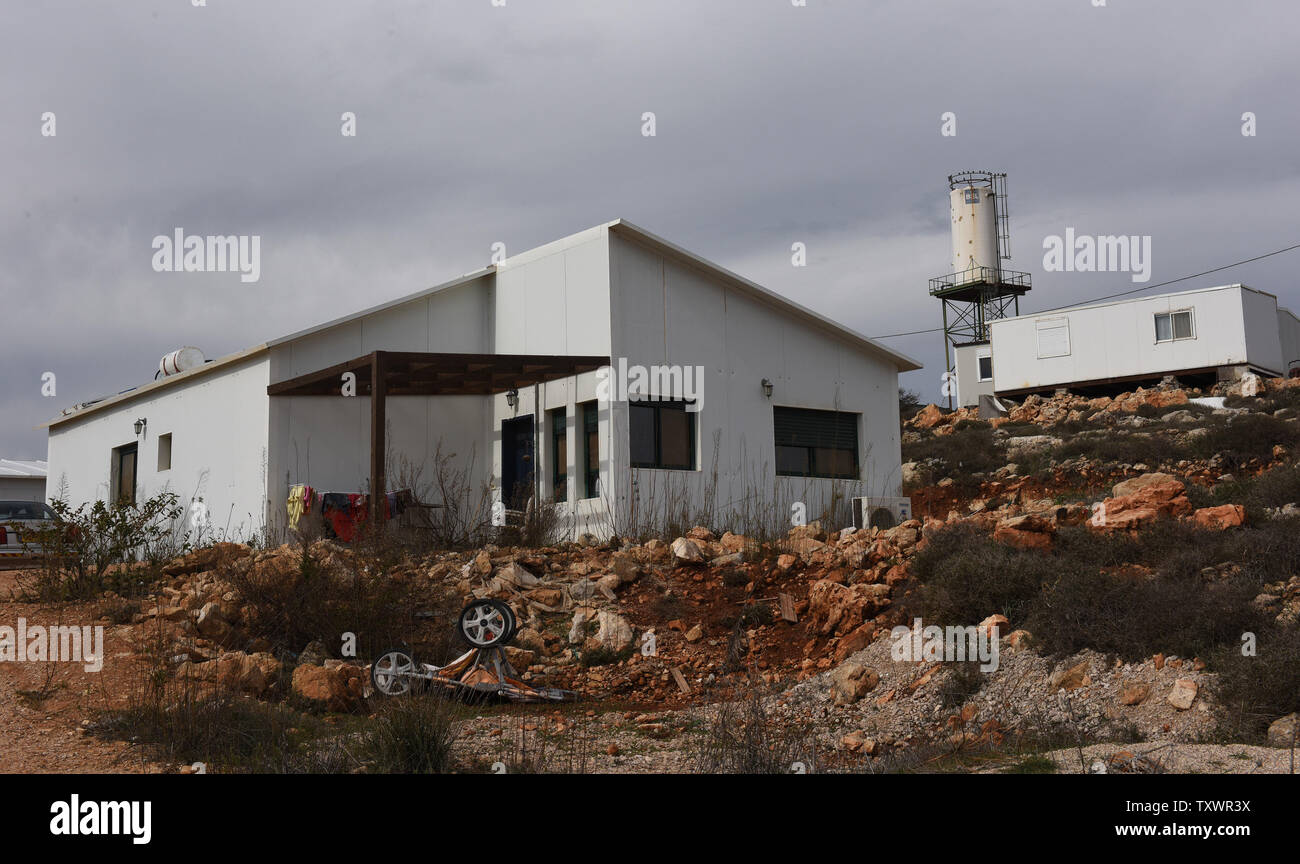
[881,511]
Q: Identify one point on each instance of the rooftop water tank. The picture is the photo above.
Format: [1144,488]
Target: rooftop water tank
[180,360]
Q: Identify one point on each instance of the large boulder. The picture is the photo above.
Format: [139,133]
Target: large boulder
[1136,484]
[1282,731]
[1025,532]
[253,673]
[211,624]
[928,417]
[207,558]
[840,609]
[851,681]
[1142,500]
[1183,694]
[687,550]
[613,633]
[337,686]
[514,574]
[1221,517]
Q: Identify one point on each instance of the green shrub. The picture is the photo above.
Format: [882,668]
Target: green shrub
[95,547]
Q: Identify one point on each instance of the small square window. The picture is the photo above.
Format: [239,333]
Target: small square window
[165,452]
[1173,326]
[986,368]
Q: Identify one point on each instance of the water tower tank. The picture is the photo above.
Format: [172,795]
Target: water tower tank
[974,231]
[180,360]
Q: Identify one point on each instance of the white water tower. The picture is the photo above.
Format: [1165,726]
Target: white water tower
[979,289]
[974,215]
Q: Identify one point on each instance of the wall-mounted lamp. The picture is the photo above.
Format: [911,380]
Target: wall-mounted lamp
[512,398]
[767,387]
[139,425]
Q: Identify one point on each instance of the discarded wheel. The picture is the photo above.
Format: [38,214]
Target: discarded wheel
[391,674]
[486,623]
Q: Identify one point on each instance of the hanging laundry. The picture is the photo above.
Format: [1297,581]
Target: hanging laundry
[336,508]
[295,505]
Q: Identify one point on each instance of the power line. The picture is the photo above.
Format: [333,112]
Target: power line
[1122,293]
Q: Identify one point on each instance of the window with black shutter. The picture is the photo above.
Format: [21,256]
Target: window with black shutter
[812,443]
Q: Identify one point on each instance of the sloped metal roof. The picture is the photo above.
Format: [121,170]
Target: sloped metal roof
[36,468]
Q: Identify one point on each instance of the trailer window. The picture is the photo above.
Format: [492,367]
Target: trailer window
[1172,326]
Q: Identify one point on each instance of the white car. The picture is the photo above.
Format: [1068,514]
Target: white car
[17,520]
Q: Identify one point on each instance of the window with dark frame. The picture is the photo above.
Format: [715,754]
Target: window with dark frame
[590,449]
[661,435]
[812,443]
[985,368]
[559,454]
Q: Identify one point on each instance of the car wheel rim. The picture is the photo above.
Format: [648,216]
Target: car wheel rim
[484,624]
[391,673]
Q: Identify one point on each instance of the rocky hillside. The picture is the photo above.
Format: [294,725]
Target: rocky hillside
[1122,555]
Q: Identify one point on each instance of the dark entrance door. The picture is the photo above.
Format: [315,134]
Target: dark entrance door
[517,461]
[126,473]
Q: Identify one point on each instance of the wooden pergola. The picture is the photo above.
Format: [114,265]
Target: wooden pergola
[381,374]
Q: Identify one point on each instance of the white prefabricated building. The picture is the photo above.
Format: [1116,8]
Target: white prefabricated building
[510,376]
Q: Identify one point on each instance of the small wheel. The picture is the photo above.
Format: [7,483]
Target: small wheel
[485,623]
[514,624]
[391,672]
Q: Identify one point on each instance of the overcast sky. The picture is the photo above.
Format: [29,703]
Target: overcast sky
[520,124]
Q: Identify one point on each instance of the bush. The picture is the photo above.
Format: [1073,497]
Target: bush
[1256,690]
[1276,487]
[413,735]
[1245,437]
[92,549]
[1135,615]
[742,738]
[1117,447]
[965,576]
[223,731]
[963,452]
[1193,597]
[320,604]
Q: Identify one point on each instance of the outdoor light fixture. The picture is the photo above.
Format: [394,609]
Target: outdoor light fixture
[139,425]
[767,387]
[512,398]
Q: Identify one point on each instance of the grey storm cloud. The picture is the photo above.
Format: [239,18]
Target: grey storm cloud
[521,123]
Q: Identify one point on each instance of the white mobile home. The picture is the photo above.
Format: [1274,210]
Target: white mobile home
[749,401]
[22,480]
[1198,336]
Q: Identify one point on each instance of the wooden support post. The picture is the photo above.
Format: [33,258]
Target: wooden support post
[378,417]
